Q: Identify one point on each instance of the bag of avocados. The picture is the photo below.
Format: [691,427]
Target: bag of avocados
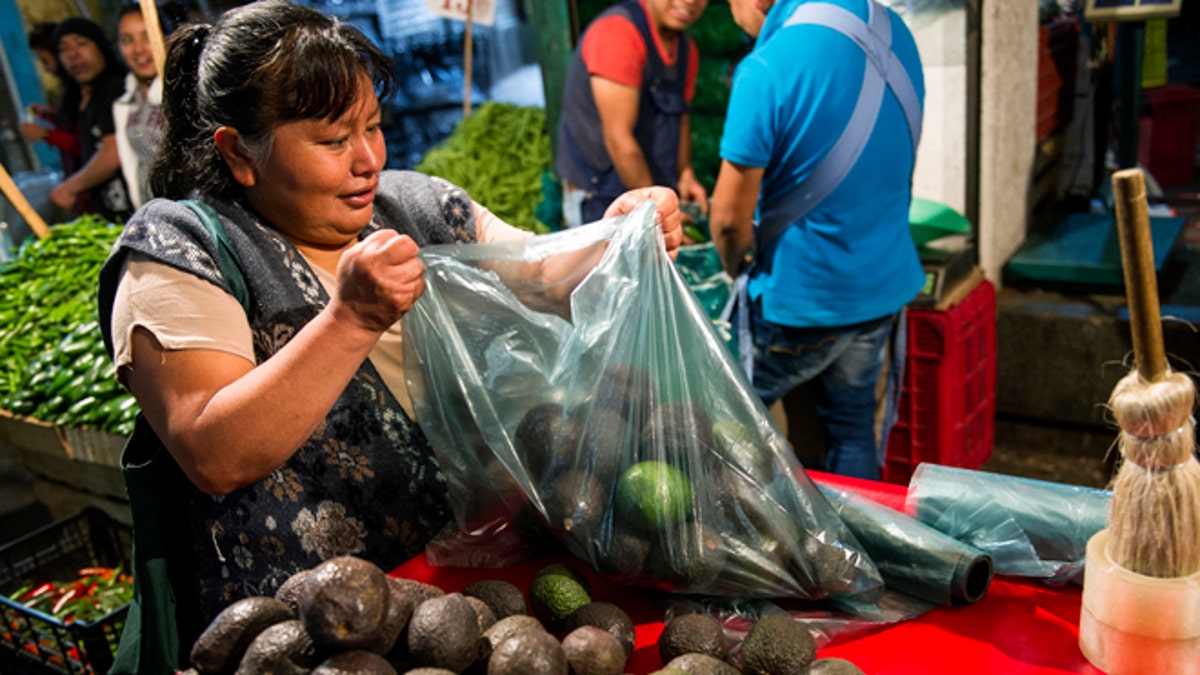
[572,385]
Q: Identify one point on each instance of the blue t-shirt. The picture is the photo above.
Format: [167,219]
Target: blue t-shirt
[851,258]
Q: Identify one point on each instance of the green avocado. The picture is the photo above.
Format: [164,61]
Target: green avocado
[343,602]
[555,593]
[778,645]
[282,649]
[692,634]
[221,646]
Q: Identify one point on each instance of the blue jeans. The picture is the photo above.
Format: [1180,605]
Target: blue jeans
[845,363]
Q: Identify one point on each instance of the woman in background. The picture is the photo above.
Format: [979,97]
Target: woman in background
[138,112]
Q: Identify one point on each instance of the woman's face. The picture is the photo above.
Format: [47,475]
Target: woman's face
[318,185]
[135,46]
[80,57]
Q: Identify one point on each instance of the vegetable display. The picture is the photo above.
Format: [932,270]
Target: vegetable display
[97,591]
[53,366]
[498,155]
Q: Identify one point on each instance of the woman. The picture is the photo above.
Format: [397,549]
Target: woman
[288,416]
[54,125]
[93,82]
[138,113]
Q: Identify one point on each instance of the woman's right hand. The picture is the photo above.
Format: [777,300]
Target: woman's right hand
[32,131]
[379,280]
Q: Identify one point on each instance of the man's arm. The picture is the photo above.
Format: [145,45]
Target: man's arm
[690,189]
[98,169]
[732,218]
[618,107]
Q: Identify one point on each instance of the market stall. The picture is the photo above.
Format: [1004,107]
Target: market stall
[1022,627]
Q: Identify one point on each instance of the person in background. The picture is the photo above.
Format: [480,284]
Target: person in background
[94,80]
[816,179]
[137,114]
[57,127]
[273,128]
[624,122]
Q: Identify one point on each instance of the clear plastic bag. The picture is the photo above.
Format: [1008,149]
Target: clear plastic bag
[573,385]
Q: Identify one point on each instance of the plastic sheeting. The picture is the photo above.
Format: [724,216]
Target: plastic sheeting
[1031,528]
[572,383]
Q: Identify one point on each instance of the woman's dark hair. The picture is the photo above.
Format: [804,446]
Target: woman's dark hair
[169,15]
[259,66]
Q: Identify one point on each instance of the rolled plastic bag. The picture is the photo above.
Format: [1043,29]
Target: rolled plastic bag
[572,387]
[1031,528]
[913,557]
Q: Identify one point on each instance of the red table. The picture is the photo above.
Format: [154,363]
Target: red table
[1020,628]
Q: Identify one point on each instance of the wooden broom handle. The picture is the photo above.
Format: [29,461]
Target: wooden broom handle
[1137,259]
[154,32]
[18,201]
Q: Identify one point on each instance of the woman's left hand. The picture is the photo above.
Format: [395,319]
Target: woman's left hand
[666,214]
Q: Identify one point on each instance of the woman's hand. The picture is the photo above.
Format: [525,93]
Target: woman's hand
[666,214]
[63,196]
[32,131]
[379,280]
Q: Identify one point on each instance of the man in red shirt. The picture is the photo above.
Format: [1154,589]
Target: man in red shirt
[625,121]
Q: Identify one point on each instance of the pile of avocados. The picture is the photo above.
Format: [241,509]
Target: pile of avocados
[347,616]
[658,493]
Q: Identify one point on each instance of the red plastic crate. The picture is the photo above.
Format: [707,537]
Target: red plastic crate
[947,406]
[1167,141]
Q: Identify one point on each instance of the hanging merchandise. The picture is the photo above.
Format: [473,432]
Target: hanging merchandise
[573,386]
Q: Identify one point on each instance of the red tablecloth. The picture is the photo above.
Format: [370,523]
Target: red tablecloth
[1020,628]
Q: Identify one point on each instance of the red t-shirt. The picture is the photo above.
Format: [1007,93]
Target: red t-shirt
[625,65]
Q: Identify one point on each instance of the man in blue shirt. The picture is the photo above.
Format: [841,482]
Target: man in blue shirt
[818,150]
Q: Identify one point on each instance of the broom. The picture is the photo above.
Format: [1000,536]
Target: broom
[1155,525]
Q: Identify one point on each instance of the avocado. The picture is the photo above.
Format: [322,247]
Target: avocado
[737,449]
[777,645]
[830,568]
[761,563]
[555,592]
[746,505]
[355,662]
[484,613]
[508,627]
[626,554]
[676,432]
[593,651]
[693,559]
[289,591]
[529,652]
[606,616]
[670,671]
[701,664]
[343,601]
[609,444]
[400,608]
[626,390]
[574,503]
[833,666]
[430,671]
[547,440]
[444,633]
[282,649]
[692,634]
[417,590]
[221,646]
[504,598]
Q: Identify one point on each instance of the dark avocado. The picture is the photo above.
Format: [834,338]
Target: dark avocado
[833,666]
[400,608]
[504,629]
[417,590]
[693,561]
[676,432]
[504,598]
[692,634]
[737,449]
[610,445]
[626,390]
[355,662]
[593,651]
[627,553]
[282,649]
[444,633]
[343,602]
[701,664]
[547,440]
[606,616]
[534,532]
[777,645]
[528,653]
[575,503]
[289,591]
[429,671]
[221,646]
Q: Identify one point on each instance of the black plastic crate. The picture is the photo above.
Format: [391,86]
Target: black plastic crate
[35,642]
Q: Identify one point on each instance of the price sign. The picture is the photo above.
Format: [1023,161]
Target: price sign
[483,12]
